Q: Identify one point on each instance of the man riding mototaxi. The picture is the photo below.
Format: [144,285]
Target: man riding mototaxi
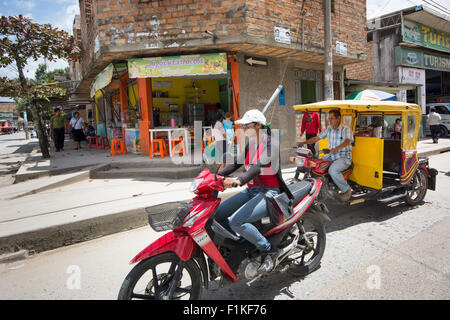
[339,139]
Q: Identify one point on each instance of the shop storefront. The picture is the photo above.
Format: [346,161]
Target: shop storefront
[148,94]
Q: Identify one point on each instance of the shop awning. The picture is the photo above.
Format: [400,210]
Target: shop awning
[178,66]
[102,79]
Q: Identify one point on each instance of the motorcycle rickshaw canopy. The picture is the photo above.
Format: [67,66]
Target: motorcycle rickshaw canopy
[374,156]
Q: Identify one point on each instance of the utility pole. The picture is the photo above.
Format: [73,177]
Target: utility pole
[328,68]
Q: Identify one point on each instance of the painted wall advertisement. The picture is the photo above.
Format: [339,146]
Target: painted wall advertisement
[424,36]
[419,59]
[190,65]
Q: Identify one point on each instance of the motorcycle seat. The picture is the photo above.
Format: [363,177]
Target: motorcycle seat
[281,202]
[299,190]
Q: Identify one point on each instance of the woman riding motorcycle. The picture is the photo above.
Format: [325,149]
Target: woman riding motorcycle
[262,155]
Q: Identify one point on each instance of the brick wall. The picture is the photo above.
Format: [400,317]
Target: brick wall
[348,21]
[123,22]
[131,21]
[361,70]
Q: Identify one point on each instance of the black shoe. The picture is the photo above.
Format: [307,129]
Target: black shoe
[57,150]
[268,259]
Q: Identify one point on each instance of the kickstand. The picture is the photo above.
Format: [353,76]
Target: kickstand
[287,292]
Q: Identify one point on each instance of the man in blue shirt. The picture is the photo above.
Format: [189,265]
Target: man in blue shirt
[339,140]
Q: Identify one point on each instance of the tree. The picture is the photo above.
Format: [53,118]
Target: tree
[22,40]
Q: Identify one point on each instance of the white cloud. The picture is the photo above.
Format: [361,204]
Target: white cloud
[25,4]
[31,67]
[376,8]
[66,17]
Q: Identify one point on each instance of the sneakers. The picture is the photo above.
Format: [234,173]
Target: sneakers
[344,197]
[269,258]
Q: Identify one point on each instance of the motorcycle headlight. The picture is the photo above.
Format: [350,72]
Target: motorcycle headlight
[195,184]
[299,162]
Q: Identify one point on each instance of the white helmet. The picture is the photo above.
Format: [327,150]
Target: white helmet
[253,115]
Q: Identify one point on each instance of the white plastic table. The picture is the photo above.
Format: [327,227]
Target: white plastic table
[169,131]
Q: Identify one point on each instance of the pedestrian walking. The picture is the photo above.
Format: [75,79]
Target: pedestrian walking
[57,130]
[311,124]
[433,120]
[77,128]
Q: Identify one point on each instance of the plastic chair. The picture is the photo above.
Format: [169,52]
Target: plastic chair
[177,146]
[158,147]
[93,141]
[101,143]
[118,146]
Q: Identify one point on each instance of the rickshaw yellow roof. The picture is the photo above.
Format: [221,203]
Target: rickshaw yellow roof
[359,105]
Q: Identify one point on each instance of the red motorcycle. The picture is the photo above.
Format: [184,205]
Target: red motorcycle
[200,252]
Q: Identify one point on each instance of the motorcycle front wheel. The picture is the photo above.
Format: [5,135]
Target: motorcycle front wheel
[312,243]
[162,277]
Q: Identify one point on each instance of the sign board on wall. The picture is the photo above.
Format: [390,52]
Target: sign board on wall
[412,75]
[191,65]
[282,35]
[419,59]
[341,48]
[102,79]
[424,36]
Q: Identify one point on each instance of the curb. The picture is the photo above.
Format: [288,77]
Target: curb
[63,235]
[77,178]
[433,152]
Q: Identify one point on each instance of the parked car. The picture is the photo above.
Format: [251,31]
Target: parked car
[444,111]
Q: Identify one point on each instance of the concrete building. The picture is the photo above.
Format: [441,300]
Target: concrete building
[408,54]
[147,62]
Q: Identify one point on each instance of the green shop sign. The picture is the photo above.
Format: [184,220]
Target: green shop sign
[191,65]
[419,59]
[424,36]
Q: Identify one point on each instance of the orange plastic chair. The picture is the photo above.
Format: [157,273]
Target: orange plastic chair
[158,147]
[118,146]
[177,146]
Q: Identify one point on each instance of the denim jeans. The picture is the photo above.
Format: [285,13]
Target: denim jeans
[244,208]
[335,172]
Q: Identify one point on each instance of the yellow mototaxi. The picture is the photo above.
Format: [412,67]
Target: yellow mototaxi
[386,166]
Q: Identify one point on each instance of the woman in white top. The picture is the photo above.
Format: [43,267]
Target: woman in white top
[220,137]
[77,127]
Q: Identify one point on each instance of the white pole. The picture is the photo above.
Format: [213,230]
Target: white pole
[275,94]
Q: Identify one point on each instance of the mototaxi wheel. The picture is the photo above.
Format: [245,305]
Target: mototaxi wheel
[162,277]
[417,188]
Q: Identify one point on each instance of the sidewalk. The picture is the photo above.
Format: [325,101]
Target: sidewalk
[57,210]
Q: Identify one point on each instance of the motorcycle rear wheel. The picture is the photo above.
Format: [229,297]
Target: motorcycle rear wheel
[162,284]
[315,233]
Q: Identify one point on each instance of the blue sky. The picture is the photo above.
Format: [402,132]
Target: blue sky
[60,13]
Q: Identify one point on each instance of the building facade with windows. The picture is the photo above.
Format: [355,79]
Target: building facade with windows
[149,63]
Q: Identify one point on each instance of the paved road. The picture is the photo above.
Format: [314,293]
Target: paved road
[13,151]
[383,251]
